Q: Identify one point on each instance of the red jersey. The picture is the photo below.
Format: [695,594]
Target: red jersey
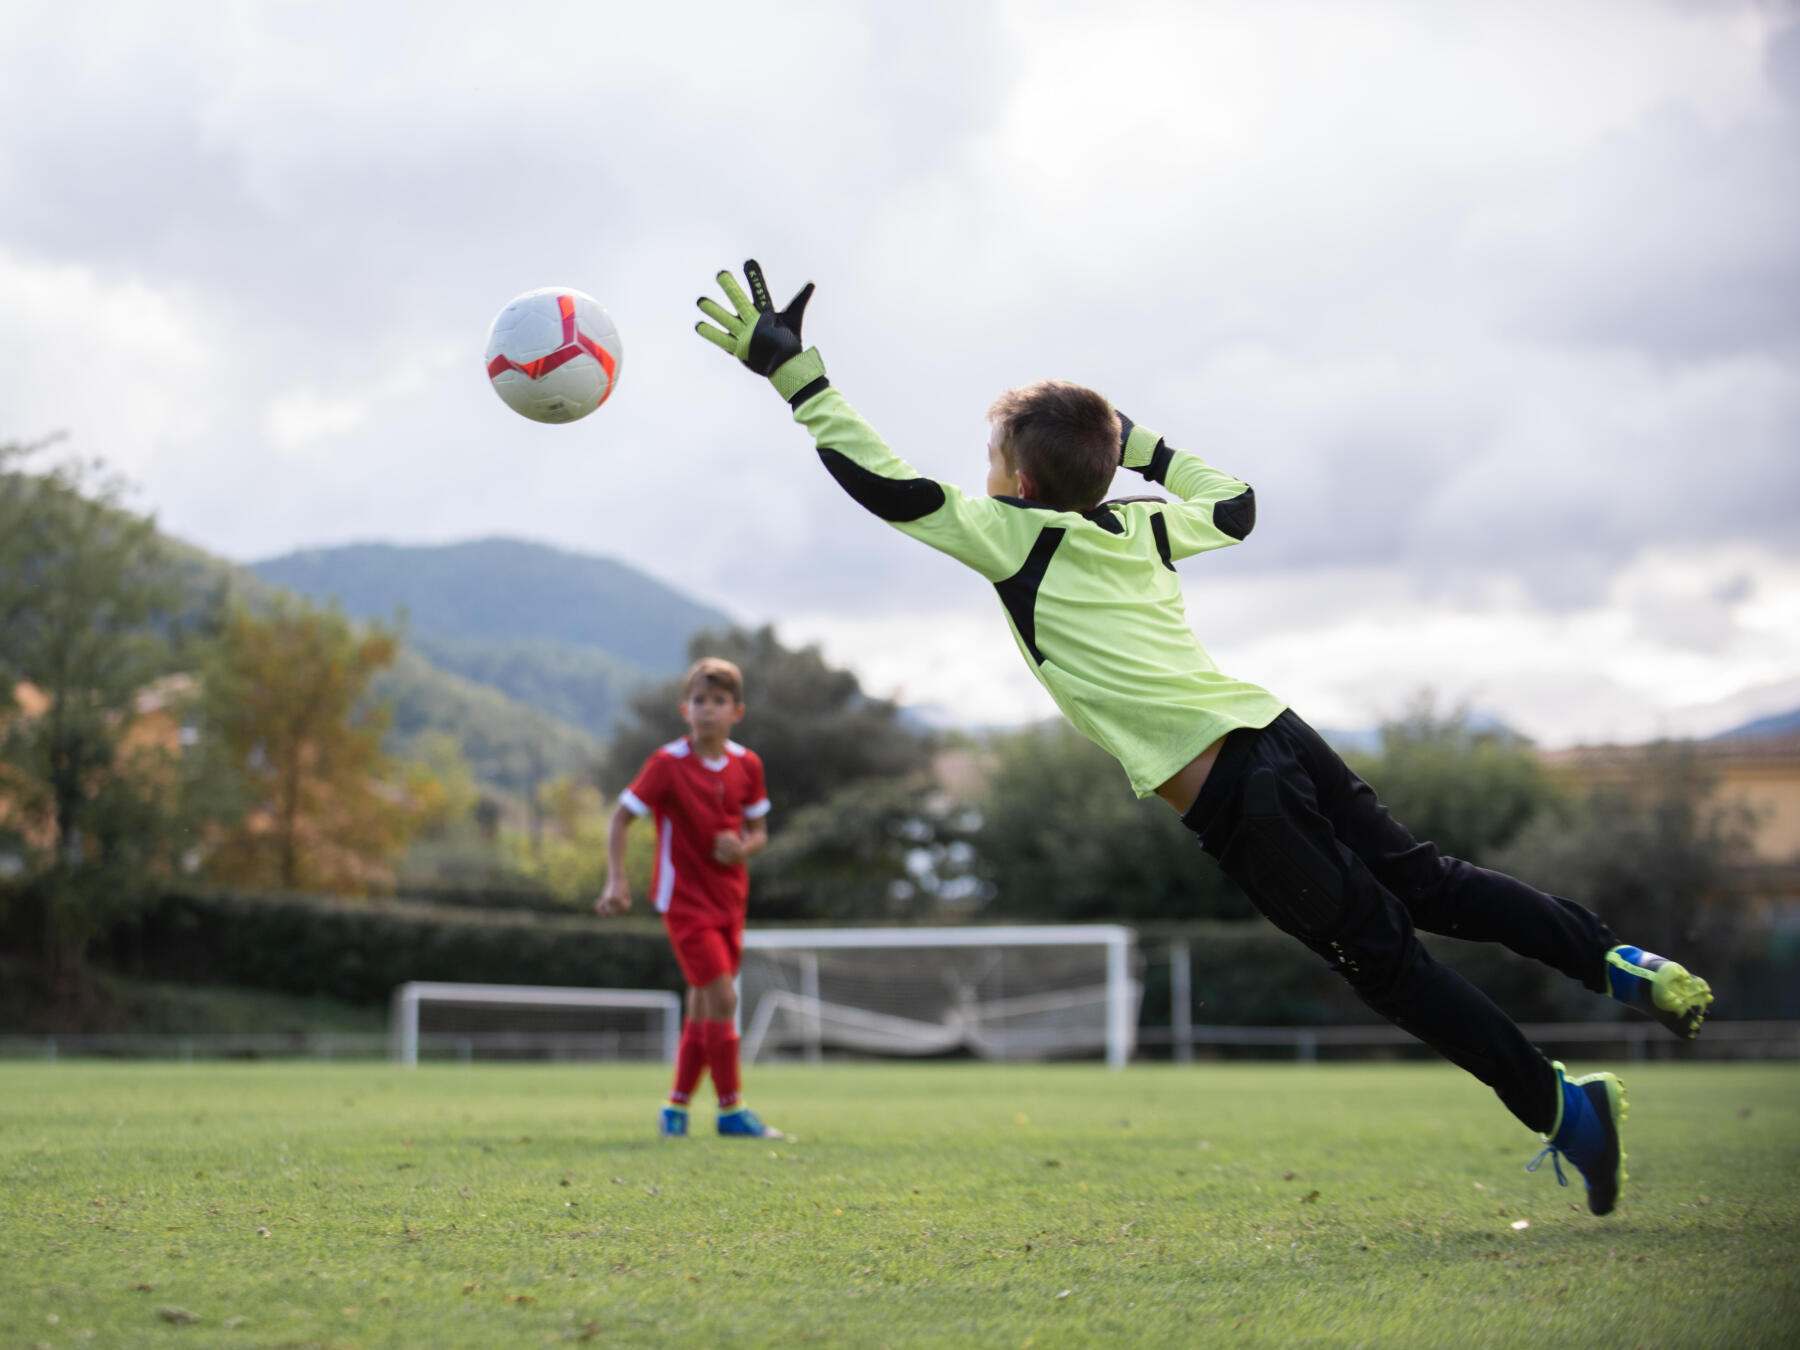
[694,799]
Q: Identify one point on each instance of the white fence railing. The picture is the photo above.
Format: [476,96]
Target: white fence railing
[1640,1041]
[450,1045]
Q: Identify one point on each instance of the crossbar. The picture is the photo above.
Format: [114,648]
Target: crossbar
[404,1026]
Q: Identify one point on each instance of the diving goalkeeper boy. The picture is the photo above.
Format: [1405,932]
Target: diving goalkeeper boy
[1090,592]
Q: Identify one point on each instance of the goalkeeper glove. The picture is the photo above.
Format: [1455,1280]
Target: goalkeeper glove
[1142,449]
[766,341]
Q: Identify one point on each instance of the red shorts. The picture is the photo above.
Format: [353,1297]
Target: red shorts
[706,951]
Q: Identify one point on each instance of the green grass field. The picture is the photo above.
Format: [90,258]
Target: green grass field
[956,1204]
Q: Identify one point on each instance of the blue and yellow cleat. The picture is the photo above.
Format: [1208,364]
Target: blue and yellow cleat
[1587,1134]
[672,1124]
[744,1123]
[1658,988]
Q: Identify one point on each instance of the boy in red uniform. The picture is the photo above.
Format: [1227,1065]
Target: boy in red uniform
[711,808]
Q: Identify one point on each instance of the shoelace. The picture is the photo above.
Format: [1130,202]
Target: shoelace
[1555,1156]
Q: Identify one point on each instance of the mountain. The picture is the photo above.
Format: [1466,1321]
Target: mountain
[505,590]
[582,686]
[568,634]
[1777,724]
[508,744]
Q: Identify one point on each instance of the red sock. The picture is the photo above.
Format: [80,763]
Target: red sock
[722,1057]
[690,1062]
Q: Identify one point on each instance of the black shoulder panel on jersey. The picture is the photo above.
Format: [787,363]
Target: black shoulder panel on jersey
[1019,591]
[1104,516]
[893,499]
[1160,528]
[1236,516]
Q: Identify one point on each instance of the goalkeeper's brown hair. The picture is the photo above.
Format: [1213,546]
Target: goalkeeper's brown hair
[1064,437]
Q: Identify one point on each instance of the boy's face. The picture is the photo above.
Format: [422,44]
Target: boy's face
[1003,479]
[710,712]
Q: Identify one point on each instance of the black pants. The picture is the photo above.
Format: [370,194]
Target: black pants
[1321,857]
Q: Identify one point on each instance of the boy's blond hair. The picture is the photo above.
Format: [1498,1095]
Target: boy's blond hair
[1065,437]
[714,672]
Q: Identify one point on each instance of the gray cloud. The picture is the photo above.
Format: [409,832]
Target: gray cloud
[1675,239]
[1487,306]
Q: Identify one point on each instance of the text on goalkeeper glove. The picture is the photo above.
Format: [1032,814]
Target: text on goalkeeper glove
[753,331]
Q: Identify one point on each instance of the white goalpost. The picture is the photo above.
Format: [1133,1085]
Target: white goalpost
[1019,992]
[511,1020]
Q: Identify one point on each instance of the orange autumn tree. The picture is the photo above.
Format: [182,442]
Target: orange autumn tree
[288,696]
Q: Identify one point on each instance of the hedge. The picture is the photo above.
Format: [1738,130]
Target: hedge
[1251,974]
[358,951]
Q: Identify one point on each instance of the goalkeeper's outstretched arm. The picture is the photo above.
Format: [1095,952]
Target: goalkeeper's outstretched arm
[976,531]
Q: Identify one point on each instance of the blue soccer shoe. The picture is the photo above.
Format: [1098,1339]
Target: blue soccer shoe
[672,1124]
[1587,1134]
[1658,988]
[744,1123]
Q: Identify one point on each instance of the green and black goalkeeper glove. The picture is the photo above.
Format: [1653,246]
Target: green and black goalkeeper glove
[1142,449]
[766,341]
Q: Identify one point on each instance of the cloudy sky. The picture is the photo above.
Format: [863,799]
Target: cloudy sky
[1497,306]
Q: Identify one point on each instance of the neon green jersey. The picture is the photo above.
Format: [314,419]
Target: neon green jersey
[1093,598]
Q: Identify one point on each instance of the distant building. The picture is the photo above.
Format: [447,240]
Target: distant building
[1761,773]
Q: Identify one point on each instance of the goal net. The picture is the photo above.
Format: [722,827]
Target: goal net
[510,1021]
[998,993]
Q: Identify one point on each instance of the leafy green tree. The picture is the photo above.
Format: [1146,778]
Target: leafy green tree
[813,726]
[566,851]
[455,853]
[1469,791]
[1656,854]
[1063,838]
[92,806]
[879,850]
[441,784]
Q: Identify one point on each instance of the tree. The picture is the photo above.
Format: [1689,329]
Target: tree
[91,799]
[565,850]
[1469,791]
[877,850]
[440,784]
[1063,838]
[812,724]
[1655,854]
[285,694]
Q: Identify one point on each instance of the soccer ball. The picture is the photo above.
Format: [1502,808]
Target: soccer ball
[553,355]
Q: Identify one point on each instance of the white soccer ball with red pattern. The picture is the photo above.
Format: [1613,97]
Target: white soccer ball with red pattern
[553,355]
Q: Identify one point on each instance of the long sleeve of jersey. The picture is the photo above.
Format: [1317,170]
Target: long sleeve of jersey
[1092,596]
[1215,508]
[976,531]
